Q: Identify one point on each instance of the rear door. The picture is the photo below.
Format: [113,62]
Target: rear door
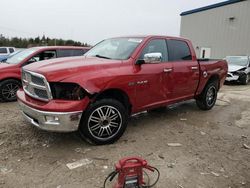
[185,73]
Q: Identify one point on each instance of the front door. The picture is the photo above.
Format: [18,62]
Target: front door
[151,77]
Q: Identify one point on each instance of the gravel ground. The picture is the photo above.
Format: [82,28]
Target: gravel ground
[211,155]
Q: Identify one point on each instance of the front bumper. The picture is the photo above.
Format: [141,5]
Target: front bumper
[51,121]
[231,77]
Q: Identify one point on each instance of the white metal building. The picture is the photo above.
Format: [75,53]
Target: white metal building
[218,30]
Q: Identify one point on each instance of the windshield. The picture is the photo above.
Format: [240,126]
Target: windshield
[241,61]
[17,58]
[117,48]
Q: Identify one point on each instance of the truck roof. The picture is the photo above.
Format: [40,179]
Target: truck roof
[61,47]
[151,36]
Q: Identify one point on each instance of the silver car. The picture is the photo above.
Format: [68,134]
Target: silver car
[238,69]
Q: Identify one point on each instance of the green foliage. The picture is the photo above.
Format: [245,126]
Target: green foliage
[43,41]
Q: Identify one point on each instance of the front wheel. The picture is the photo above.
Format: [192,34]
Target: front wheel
[208,97]
[104,122]
[245,79]
[8,89]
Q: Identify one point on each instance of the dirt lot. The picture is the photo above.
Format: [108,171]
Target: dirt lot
[212,152]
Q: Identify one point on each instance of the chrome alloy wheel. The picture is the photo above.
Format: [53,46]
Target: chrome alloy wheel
[104,122]
[9,91]
[211,96]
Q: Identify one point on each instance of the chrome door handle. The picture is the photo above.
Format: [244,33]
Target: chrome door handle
[167,70]
[194,68]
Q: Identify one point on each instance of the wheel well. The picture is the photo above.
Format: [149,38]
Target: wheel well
[215,78]
[11,79]
[117,94]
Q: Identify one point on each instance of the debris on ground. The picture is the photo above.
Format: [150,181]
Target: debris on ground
[171,165]
[1,143]
[183,119]
[204,173]
[2,131]
[105,167]
[5,170]
[243,136]
[246,146]
[174,144]
[76,164]
[222,170]
[180,186]
[203,133]
[161,156]
[215,174]
[100,158]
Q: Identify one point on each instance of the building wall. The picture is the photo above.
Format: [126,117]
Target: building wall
[213,29]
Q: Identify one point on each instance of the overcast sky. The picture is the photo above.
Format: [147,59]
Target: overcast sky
[93,20]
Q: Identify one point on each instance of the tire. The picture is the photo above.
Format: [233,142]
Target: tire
[104,122]
[245,79]
[8,89]
[208,97]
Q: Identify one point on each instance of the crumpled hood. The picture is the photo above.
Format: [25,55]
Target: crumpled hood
[59,69]
[233,68]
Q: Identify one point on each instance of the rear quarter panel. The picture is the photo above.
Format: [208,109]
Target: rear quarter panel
[217,68]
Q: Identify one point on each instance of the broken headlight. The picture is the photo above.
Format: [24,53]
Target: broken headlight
[67,91]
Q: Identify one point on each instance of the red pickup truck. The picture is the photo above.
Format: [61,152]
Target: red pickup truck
[96,94]
[10,70]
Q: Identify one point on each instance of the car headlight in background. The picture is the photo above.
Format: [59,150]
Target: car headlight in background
[67,91]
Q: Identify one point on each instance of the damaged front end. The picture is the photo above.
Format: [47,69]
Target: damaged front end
[236,75]
[67,91]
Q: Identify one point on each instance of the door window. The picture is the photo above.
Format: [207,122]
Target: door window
[49,54]
[69,52]
[178,50]
[156,46]
[11,50]
[3,51]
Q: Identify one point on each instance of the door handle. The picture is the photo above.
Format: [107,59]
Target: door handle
[194,68]
[167,70]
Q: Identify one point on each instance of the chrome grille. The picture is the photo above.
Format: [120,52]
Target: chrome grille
[37,80]
[35,85]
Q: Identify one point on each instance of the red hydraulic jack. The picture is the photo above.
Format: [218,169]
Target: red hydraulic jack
[130,173]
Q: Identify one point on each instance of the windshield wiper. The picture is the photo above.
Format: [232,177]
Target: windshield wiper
[100,56]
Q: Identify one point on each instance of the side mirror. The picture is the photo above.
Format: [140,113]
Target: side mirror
[153,57]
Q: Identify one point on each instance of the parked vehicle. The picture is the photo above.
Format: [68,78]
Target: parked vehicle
[10,70]
[238,69]
[5,52]
[10,55]
[118,77]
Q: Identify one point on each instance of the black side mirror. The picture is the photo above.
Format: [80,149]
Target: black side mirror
[140,62]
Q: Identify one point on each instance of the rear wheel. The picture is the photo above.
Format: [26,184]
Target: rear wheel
[8,89]
[208,97]
[104,122]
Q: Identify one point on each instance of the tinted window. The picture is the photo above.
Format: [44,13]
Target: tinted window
[68,53]
[3,50]
[11,50]
[178,51]
[156,46]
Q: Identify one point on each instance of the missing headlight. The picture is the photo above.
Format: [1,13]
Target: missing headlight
[67,91]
